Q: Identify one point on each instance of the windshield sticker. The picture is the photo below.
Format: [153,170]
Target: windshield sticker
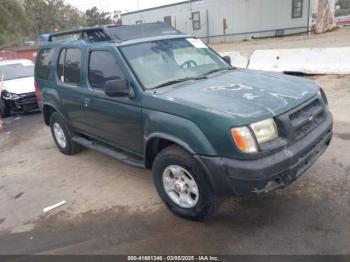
[197,43]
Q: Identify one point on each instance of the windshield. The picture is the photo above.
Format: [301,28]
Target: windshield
[160,62]
[14,71]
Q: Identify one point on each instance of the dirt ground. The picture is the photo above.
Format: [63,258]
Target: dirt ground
[337,38]
[114,209]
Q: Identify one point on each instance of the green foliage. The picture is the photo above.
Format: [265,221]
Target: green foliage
[11,30]
[341,12]
[22,20]
[94,17]
[344,4]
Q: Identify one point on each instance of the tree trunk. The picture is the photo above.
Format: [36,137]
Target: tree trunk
[325,20]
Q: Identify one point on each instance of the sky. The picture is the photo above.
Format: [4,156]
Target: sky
[123,5]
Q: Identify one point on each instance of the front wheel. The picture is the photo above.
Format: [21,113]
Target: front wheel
[181,184]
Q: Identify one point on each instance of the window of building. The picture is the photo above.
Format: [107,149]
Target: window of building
[297,8]
[167,20]
[69,64]
[43,63]
[102,68]
[196,21]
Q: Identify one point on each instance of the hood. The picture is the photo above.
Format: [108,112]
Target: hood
[244,93]
[20,85]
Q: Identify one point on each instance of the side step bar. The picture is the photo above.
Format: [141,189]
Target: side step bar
[109,152]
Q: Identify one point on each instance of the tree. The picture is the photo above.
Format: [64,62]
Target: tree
[13,22]
[325,20]
[22,20]
[53,15]
[95,17]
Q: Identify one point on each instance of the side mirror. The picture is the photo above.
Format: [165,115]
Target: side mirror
[117,88]
[227,59]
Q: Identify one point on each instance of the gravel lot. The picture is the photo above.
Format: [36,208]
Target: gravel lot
[114,209]
[337,38]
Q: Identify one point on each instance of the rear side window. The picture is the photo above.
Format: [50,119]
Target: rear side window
[43,62]
[60,66]
[102,68]
[69,64]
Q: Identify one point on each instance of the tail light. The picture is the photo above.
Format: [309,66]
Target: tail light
[37,92]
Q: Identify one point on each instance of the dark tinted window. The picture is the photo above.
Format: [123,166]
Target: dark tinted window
[60,68]
[196,20]
[42,63]
[72,66]
[297,8]
[102,68]
[167,20]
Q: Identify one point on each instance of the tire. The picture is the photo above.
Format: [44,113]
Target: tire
[4,109]
[174,158]
[61,131]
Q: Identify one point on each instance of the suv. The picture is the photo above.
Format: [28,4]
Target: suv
[154,98]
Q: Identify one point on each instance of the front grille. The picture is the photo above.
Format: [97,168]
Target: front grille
[27,98]
[306,118]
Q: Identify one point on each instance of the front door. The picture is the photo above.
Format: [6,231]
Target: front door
[116,120]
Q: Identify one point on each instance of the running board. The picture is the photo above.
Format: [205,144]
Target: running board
[107,151]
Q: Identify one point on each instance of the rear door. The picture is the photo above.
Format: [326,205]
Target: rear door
[69,84]
[116,120]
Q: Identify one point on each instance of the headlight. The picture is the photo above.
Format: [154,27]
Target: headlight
[11,96]
[244,139]
[265,130]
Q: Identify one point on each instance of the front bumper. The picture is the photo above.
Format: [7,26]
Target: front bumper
[251,177]
[24,103]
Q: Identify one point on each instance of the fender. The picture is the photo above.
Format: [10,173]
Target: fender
[167,137]
[177,129]
[56,109]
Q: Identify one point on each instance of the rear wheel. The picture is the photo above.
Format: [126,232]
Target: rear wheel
[181,184]
[4,109]
[62,135]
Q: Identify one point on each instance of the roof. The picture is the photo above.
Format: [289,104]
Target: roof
[116,33]
[159,7]
[132,32]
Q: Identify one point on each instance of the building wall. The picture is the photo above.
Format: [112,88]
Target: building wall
[245,19]
[18,53]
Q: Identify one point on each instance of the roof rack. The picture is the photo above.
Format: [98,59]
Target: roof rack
[92,33]
[117,32]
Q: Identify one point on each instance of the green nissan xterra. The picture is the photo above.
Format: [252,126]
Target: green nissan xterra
[155,98]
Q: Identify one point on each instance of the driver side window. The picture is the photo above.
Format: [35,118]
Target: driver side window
[102,68]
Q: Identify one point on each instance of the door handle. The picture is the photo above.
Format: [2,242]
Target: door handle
[86,101]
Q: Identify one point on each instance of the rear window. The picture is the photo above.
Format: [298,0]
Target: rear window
[15,71]
[42,63]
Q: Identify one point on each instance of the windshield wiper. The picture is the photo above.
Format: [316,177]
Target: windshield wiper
[219,69]
[179,81]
